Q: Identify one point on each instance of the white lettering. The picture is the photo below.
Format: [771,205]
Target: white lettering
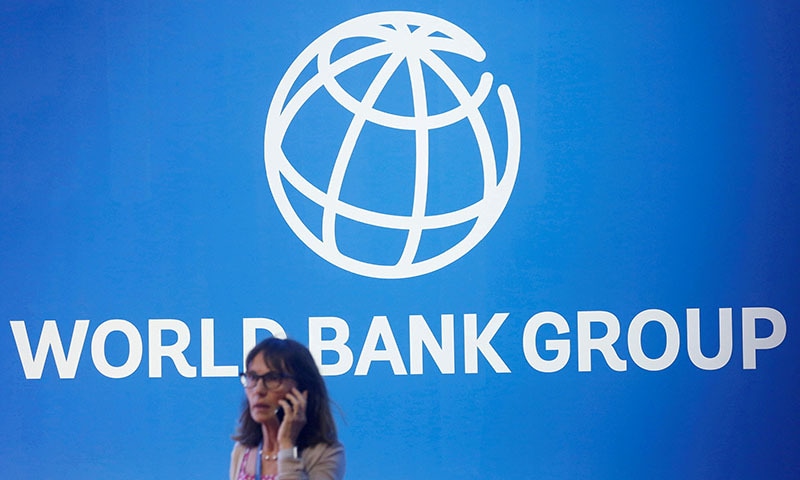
[316,345]
[635,340]
[49,339]
[474,343]
[725,339]
[157,350]
[750,342]
[604,344]
[561,346]
[135,348]
[379,330]
[249,328]
[330,335]
[208,368]
[420,334]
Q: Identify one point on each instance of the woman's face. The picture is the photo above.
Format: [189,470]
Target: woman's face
[263,401]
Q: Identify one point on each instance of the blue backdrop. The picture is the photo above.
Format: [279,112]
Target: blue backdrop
[658,173]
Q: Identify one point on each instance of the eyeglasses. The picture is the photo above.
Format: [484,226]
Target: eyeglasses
[272,380]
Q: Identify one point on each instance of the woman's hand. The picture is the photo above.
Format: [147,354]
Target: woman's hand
[294,417]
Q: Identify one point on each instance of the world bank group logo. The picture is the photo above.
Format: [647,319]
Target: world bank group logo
[386,149]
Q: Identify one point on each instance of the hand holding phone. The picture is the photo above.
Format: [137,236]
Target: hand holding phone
[292,417]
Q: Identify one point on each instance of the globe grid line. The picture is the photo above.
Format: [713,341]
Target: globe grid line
[422,156]
[348,145]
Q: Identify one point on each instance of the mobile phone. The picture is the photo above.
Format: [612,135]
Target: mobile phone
[279,414]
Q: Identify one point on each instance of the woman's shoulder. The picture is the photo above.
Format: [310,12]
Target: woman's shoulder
[326,456]
[239,449]
[324,449]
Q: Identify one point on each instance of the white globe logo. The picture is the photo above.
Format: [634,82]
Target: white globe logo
[415,41]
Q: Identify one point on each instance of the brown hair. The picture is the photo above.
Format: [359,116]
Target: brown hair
[292,358]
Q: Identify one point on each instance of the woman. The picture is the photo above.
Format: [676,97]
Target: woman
[286,430]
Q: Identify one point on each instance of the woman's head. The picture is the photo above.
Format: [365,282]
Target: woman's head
[292,360]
